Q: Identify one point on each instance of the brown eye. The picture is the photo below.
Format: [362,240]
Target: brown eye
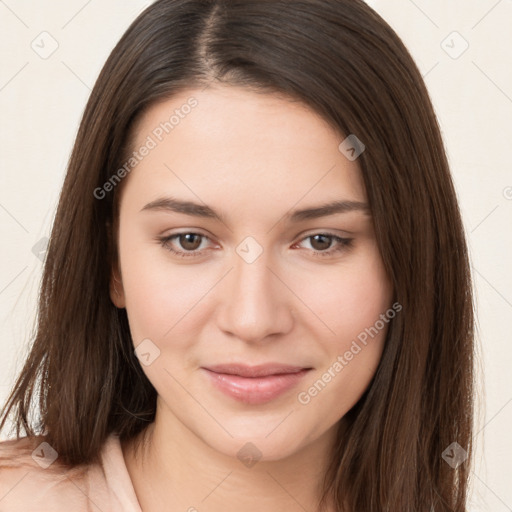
[327,244]
[184,244]
[321,242]
[189,241]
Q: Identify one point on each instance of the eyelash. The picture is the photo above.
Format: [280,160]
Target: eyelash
[343,243]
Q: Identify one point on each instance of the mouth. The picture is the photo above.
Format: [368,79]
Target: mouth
[262,370]
[255,384]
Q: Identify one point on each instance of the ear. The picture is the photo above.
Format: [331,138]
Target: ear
[116,289]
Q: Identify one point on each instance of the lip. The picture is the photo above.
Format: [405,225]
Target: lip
[261,370]
[255,384]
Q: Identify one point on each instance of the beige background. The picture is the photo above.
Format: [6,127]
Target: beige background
[41,100]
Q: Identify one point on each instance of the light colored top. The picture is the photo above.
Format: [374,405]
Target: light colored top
[31,479]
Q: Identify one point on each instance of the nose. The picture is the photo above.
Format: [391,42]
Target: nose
[255,302]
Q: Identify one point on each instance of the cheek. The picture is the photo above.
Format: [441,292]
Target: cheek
[357,308]
[349,298]
[354,302]
[164,300]
[366,295]
[154,295]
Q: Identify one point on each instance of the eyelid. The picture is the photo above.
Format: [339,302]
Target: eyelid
[342,233]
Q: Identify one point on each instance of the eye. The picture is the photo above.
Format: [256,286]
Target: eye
[189,241]
[323,244]
[326,244]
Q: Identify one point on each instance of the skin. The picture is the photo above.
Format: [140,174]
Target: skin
[253,158]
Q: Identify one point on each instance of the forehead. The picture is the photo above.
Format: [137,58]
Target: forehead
[231,144]
[222,106]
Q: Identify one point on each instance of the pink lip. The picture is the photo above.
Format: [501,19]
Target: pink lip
[255,384]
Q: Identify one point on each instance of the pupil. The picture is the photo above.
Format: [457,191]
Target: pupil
[326,241]
[188,242]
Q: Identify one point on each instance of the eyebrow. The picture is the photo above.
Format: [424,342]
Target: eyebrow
[201,210]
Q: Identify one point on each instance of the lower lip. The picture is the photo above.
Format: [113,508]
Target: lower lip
[257,390]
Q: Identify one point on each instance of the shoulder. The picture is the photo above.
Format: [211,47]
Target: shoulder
[31,478]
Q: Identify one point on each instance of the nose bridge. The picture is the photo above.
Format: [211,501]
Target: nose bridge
[254,301]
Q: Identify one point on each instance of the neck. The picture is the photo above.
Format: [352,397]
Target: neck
[176,470]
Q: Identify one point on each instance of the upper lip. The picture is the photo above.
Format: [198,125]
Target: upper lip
[261,370]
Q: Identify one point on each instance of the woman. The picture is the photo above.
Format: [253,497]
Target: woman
[198,348]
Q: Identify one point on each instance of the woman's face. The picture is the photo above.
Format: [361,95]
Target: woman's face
[223,179]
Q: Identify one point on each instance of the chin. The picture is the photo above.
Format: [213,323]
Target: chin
[257,445]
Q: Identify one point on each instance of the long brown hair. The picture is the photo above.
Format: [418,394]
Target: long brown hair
[343,60]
